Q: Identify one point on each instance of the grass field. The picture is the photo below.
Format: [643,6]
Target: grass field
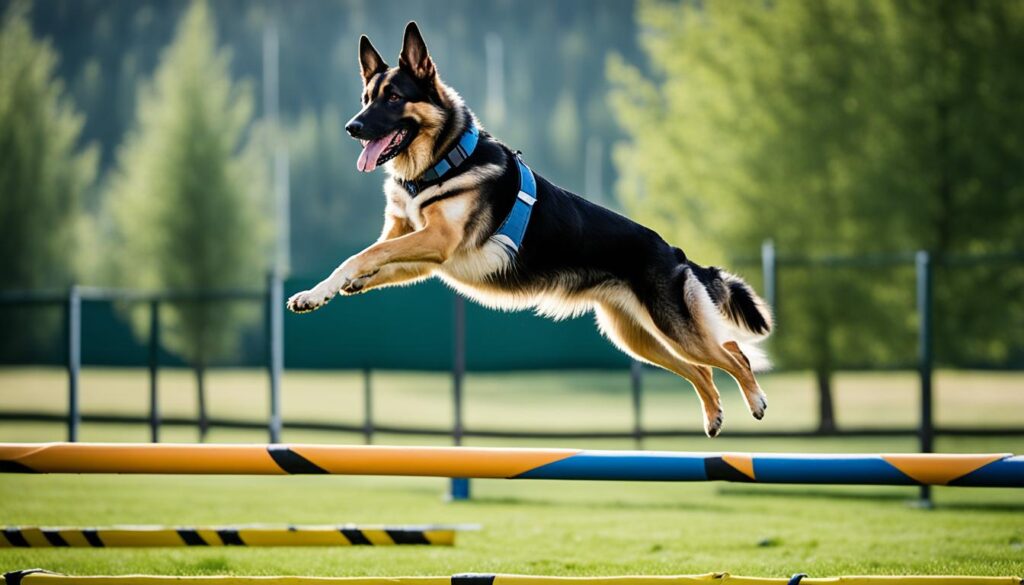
[562,528]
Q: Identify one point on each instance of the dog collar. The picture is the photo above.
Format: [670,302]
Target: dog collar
[455,157]
[513,229]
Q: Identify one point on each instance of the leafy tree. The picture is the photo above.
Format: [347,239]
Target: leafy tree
[834,128]
[328,197]
[187,200]
[552,61]
[43,176]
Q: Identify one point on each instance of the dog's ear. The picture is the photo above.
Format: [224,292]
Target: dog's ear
[370,62]
[414,58]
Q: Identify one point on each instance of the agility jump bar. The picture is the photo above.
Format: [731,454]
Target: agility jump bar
[250,535]
[40,577]
[991,470]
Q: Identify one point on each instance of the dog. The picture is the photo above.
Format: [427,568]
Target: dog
[463,207]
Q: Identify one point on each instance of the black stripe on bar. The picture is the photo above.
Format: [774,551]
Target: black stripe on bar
[401,536]
[355,536]
[291,462]
[92,538]
[230,537]
[15,577]
[718,470]
[473,579]
[54,538]
[191,537]
[15,537]
[15,467]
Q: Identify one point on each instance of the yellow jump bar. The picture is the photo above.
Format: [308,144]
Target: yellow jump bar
[248,535]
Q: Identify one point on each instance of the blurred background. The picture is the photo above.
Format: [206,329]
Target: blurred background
[169,169]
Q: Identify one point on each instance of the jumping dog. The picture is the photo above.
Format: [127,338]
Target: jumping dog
[463,207]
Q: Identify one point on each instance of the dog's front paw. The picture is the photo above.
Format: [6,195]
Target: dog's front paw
[308,300]
[355,285]
[712,423]
[758,405]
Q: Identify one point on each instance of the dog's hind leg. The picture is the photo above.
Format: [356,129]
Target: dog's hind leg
[627,334]
[756,400]
[693,330]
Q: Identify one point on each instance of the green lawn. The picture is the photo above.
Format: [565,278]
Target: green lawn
[560,528]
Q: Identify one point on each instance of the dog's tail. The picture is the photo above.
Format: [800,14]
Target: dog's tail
[745,315]
[744,308]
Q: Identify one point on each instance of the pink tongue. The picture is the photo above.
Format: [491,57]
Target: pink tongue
[371,152]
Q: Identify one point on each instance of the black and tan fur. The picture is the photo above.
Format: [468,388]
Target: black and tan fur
[649,299]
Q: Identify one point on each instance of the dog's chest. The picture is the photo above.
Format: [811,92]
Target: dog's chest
[401,204]
[470,264]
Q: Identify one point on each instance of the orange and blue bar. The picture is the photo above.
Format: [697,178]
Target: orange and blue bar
[968,470]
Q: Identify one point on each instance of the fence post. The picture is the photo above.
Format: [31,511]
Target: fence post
[73,317]
[459,485]
[924,340]
[770,271]
[636,378]
[367,407]
[154,364]
[275,351]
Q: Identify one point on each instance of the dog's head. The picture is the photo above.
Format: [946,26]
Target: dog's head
[404,107]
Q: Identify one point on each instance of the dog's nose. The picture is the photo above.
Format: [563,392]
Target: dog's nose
[354,128]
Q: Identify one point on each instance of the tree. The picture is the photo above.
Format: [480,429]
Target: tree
[329,200]
[43,177]
[187,198]
[826,126]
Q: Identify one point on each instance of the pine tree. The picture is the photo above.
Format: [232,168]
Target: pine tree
[43,177]
[187,199]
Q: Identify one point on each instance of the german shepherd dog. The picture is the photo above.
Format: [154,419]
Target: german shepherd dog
[650,300]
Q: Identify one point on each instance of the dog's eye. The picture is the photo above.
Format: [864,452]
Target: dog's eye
[393,97]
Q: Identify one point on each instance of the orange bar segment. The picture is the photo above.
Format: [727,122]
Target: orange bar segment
[429,461]
[141,458]
[940,469]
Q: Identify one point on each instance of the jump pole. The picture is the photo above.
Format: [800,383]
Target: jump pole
[244,535]
[983,470]
[40,577]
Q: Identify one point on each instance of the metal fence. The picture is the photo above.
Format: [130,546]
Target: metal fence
[272,297]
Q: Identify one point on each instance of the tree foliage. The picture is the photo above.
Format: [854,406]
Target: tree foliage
[837,128]
[552,61]
[188,197]
[43,173]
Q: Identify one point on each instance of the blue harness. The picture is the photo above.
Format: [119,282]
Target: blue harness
[512,231]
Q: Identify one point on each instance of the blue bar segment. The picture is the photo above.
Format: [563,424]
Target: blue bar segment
[827,469]
[1008,472]
[624,466]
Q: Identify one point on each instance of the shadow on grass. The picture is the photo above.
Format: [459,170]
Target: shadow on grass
[703,506]
[817,494]
[910,497]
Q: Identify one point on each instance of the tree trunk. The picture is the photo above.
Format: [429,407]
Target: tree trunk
[823,374]
[826,411]
[204,423]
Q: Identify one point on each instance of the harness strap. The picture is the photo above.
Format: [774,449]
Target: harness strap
[455,157]
[513,229]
